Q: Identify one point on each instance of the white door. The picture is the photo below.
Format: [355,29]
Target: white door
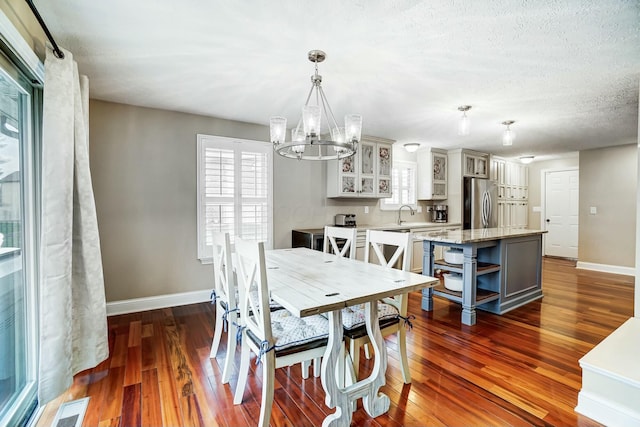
[561,213]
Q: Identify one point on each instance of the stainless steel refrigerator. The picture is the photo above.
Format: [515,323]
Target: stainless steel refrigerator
[480,203]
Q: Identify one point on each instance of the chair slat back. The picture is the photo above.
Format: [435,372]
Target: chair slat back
[331,234]
[224,279]
[252,275]
[379,241]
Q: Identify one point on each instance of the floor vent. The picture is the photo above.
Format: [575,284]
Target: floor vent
[71,414]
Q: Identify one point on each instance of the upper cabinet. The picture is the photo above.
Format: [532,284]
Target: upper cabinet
[475,164]
[365,174]
[432,174]
[513,192]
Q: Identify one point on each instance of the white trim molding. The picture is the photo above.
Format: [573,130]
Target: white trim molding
[11,37]
[135,305]
[605,411]
[605,268]
[611,380]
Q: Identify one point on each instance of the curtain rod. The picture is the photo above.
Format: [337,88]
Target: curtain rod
[56,50]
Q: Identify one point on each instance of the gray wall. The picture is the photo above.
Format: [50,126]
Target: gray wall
[570,160]
[143,163]
[608,181]
[144,176]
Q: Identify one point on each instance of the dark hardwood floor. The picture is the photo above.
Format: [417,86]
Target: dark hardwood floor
[519,369]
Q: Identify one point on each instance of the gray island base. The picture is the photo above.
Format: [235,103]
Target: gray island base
[501,269]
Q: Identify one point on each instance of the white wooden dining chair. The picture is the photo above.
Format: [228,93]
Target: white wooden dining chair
[278,338]
[392,312]
[225,297]
[336,236]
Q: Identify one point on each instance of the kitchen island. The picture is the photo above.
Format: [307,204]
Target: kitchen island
[501,269]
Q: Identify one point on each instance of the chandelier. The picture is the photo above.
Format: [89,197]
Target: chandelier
[310,140]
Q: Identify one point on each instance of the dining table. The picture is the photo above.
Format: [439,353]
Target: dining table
[308,282]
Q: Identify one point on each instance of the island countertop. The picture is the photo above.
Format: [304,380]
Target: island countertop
[476,235]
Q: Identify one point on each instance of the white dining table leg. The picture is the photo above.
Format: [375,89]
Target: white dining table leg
[375,403]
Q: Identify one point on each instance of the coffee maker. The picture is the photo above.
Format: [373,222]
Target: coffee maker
[440,213]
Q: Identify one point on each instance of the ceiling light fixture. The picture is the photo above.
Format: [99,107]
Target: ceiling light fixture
[307,142]
[463,124]
[508,135]
[411,147]
[526,159]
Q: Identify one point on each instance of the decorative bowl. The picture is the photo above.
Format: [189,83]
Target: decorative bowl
[453,281]
[454,256]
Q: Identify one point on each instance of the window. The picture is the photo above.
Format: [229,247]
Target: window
[403,186]
[20,107]
[234,190]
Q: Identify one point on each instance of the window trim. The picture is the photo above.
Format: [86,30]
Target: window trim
[204,141]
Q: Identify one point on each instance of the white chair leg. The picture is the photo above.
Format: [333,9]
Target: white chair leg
[404,363]
[317,365]
[231,346]
[268,380]
[243,373]
[217,332]
[304,366]
[367,353]
[354,351]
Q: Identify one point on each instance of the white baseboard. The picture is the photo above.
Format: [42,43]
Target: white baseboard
[605,268]
[606,412]
[160,301]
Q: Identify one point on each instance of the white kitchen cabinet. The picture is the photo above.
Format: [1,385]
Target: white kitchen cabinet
[365,174]
[497,170]
[432,174]
[513,214]
[513,192]
[475,164]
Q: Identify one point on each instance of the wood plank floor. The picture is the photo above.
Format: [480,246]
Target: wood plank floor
[519,369]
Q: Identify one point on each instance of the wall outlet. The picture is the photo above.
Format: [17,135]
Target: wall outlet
[366,209]
[537,209]
[419,209]
[593,210]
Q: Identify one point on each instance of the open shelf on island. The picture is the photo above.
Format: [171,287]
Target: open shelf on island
[482,295]
[481,268]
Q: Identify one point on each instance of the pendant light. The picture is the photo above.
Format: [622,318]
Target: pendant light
[463,124]
[508,135]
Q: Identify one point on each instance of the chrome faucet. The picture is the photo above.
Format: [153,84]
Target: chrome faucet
[400,211]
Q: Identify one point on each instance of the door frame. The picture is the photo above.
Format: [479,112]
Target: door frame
[543,198]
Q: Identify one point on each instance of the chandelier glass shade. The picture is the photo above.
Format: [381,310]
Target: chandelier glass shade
[464,124]
[508,135]
[313,138]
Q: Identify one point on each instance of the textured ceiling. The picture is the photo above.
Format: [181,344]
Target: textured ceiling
[566,71]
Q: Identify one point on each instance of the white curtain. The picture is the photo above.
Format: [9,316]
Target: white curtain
[73,320]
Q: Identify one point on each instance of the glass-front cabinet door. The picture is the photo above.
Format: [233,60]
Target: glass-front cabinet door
[348,176]
[366,174]
[384,170]
[367,169]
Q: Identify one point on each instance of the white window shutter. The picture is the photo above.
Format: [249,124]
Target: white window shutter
[234,190]
[403,186]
